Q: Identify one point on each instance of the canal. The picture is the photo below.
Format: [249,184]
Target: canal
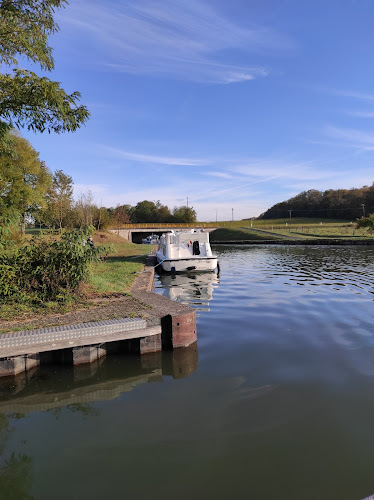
[276,400]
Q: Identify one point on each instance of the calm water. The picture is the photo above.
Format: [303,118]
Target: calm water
[276,400]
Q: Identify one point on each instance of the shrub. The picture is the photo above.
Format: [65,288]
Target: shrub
[46,270]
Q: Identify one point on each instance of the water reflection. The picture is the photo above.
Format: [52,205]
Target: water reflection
[194,289]
[46,389]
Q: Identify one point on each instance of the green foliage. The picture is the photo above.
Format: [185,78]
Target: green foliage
[38,103]
[24,29]
[145,211]
[150,211]
[24,180]
[46,270]
[59,201]
[366,222]
[26,99]
[184,214]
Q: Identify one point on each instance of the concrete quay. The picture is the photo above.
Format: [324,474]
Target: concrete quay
[168,325]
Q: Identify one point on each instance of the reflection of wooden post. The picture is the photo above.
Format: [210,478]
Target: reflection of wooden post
[88,354]
[181,362]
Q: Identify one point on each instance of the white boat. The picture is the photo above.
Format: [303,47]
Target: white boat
[150,240]
[184,251]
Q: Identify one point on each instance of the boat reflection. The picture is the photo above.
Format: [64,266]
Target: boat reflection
[48,388]
[193,289]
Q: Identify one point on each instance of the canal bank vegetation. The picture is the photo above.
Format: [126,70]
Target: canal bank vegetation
[55,274]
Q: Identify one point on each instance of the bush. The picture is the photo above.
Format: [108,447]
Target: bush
[366,222]
[45,270]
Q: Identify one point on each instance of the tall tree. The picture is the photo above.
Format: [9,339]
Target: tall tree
[120,216]
[26,99]
[60,200]
[102,219]
[24,180]
[84,210]
[145,211]
[184,214]
[164,214]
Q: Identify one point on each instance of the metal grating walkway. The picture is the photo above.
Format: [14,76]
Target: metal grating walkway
[60,337]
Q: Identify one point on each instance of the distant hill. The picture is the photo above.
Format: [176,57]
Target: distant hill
[339,204]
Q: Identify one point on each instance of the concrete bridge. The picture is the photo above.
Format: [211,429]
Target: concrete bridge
[127,230]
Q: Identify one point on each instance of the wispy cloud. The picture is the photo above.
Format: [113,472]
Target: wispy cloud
[362,96]
[361,114]
[179,39]
[353,138]
[280,168]
[222,175]
[232,173]
[154,159]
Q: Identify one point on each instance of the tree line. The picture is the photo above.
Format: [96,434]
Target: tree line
[346,204]
[31,194]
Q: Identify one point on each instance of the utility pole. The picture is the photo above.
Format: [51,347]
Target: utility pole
[187,201]
[232,215]
[216,215]
[290,212]
[363,210]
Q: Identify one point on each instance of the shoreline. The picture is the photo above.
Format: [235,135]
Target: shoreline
[156,323]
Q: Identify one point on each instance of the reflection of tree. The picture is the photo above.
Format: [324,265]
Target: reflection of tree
[84,408]
[15,478]
[15,471]
[4,431]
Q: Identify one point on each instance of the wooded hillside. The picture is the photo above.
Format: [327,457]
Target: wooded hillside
[339,204]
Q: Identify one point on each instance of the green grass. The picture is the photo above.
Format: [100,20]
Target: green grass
[328,231]
[282,228]
[297,221]
[17,311]
[232,234]
[262,223]
[118,271]
[116,274]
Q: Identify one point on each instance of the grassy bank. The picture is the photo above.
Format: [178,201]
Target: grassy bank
[297,228]
[118,271]
[232,234]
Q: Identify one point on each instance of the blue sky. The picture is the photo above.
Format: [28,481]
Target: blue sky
[235,104]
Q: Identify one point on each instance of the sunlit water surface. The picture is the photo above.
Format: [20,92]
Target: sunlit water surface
[276,401]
